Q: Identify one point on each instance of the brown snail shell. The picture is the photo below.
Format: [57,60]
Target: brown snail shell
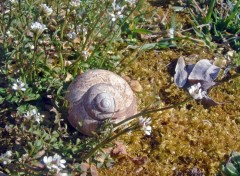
[97,95]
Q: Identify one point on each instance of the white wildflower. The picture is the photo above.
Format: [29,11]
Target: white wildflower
[59,161]
[54,162]
[171,33]
[19,85]
[5,158]
[131,2]
[145,123]
[81,30]
[8,153]
[9,34]
[30,46]
[38,27]
[196,91]
[47,10]
[147,130]
[33,114]
[75,3]
[85,55]
[117,11]
[72,35]
[24,157]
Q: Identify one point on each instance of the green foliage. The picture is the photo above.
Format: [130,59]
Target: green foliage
[222,20]
[232,167]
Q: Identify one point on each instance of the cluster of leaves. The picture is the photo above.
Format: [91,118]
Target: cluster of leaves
[232,166]
[221,19]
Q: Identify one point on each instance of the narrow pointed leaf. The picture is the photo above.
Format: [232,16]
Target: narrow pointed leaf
[231,170]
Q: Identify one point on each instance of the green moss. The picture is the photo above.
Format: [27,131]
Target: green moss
[185,137]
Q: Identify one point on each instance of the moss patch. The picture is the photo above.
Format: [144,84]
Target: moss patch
[185,137]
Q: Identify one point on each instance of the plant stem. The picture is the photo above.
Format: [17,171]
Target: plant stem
[34,56]
[134,126]
[75,65]
[64,23]
[108,140]
[149,111]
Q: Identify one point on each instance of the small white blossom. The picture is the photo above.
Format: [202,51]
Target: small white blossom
[75,3]
[5,158]
[145,123]
[59,161]
[30,46]
[19,85]
[171,33]
[196,91]
[85,55]
[34,114]
[147,130]
[8,153]
[131,2]
[9,34]
[117,11]
[54,162]
[72,35]
[47,10]
[81,30]
[23,158]
[38,27]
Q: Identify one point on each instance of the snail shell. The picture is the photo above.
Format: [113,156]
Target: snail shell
[97,95]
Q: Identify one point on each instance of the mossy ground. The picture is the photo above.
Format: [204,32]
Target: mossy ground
[183,137]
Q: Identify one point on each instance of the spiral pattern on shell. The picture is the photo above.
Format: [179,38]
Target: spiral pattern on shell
[97,95]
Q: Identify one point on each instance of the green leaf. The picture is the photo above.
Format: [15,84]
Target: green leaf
[37,132]
[14,99]
[230,170]
[236,159]
[55,134]
[1,99]
[59,90]
[23,108]
[39,143]
[210,11]
[53,139]
[31,97]
[142,31]
[148,46]
[2,91]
